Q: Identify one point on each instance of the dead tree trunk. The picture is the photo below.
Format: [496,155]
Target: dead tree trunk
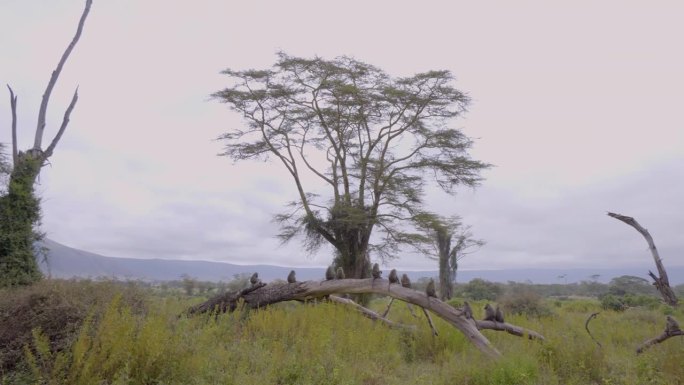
[661,281]
[19,208]
[301,291]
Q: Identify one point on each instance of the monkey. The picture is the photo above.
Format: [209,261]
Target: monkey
[330,273]
[467,310]
[430,289]
[405,281]
[376,271]
[499,315]
[254,279]
[672,326]
[393,278]
[291,277]
[490,313]
[340,273]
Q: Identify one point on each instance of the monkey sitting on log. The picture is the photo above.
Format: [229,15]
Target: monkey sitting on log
[254,279]
[672,326]
[376,272]
[340,273]
[467,310]
[490,313]
[405,281]
[329,274]
[499,315]
[291,277]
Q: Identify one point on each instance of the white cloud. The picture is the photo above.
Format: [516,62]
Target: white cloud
[577,105]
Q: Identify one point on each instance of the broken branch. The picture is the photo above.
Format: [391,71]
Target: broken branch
[662,283]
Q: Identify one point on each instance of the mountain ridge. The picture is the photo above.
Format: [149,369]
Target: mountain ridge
[68,262]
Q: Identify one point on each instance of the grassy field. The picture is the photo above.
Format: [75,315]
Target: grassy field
[123,334]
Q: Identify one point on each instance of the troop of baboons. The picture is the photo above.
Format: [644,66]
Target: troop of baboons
[491,313]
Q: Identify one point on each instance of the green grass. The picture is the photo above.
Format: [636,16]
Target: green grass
[325,343]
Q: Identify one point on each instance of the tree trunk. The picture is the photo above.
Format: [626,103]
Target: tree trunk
[19,211]
[661,282]
[446,286]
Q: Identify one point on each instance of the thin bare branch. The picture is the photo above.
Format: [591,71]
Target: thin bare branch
[13,106]
[55,75]
[65,122]
[586,326]
[370,313]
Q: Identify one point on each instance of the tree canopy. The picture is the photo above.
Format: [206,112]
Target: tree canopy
[374,140]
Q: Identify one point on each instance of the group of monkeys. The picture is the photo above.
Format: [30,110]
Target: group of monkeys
[491,314]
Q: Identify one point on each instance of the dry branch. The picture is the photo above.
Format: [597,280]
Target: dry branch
[661,282]
[53,80]
[670,331]
[586,326]
[369,313]
[13,106]
[508,328]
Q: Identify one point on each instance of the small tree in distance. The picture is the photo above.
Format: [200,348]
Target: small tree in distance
[373,140]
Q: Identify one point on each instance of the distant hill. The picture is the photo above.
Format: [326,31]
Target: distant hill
[67,262]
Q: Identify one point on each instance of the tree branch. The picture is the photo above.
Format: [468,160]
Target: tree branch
[662,283]
[370,313]
[671,330]
[13,106]
[65,122]
[55,75]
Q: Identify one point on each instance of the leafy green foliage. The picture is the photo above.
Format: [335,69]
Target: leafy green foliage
[479,289]
[371,140]
[19,217]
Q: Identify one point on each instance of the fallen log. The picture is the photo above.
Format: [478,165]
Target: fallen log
[264,295]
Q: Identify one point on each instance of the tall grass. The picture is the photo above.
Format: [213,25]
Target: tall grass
[325,343]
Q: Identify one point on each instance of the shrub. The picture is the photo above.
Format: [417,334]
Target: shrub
[524,302]
[56,309]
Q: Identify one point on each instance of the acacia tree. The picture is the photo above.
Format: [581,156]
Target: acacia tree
[373,140]
[19,206]
[453,242]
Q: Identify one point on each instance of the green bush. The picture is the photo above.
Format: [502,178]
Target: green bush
[524,302]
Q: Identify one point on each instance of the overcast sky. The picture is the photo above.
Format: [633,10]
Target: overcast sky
[578,105]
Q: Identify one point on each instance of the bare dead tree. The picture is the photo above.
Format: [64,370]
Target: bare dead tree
[20,208]
[661,281]
[308,290]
